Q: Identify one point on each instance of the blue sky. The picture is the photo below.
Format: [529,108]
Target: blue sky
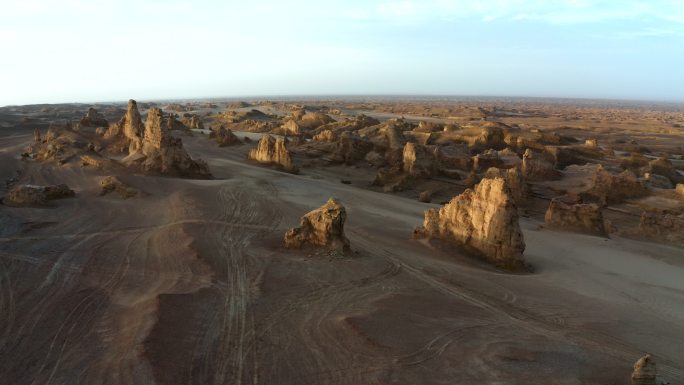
[91,50]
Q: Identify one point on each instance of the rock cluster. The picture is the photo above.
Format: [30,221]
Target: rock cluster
[192,121]
[93,118]
[161,152]
[644,371]
[582,218]
[273,151]
[322,227]
[484,220]
[31,195]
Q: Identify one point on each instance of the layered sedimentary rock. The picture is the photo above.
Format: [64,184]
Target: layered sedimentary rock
[514,181]
[419,161]
[160,152]
[535,167]
[662,226]
[322,227]
[273,151]
[31,195]
[614,188]
[644,371]
[582,218]
[484,220]
[114,184]
[94,119]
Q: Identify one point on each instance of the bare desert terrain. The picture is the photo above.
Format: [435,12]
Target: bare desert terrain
[175,269]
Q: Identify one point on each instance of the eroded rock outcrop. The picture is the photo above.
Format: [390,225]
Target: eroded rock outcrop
[484,220]
[192,121]
[32,195]
[644,371]
[114,184]
[322,227]
[662,226]
[93,118]
[419,160]
[611,188]
[160,152]
[581,218]
[224,137]
[536,167]
[273,151]
[130,128]
[514,181]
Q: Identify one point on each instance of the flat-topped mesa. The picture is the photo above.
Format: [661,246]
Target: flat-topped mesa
[273,151]
[322,227]
[580,217]
[484,220]
[93,118]
[644,371]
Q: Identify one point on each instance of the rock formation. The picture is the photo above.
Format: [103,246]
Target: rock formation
[536,167]
[93,118]
[273,151]
[680,189]
[663,166]
[129,128]
[224,137]
[644,371]
[491,136]
[36,135]
[610,188]
[514,181]
[419,161]
[161,152]
[31,195]
[114,184]
[662,226]
[582,218]
[192,121]
[322,227]
[484,220]
[657,181]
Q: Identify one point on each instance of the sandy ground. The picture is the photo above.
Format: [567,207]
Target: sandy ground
[190,285]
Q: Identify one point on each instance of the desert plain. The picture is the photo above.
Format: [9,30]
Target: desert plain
[164,260]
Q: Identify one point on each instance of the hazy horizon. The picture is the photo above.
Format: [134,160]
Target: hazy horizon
[98,51]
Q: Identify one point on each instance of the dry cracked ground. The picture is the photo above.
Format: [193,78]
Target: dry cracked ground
[188,282]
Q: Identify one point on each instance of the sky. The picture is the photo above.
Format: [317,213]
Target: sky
[107,50]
